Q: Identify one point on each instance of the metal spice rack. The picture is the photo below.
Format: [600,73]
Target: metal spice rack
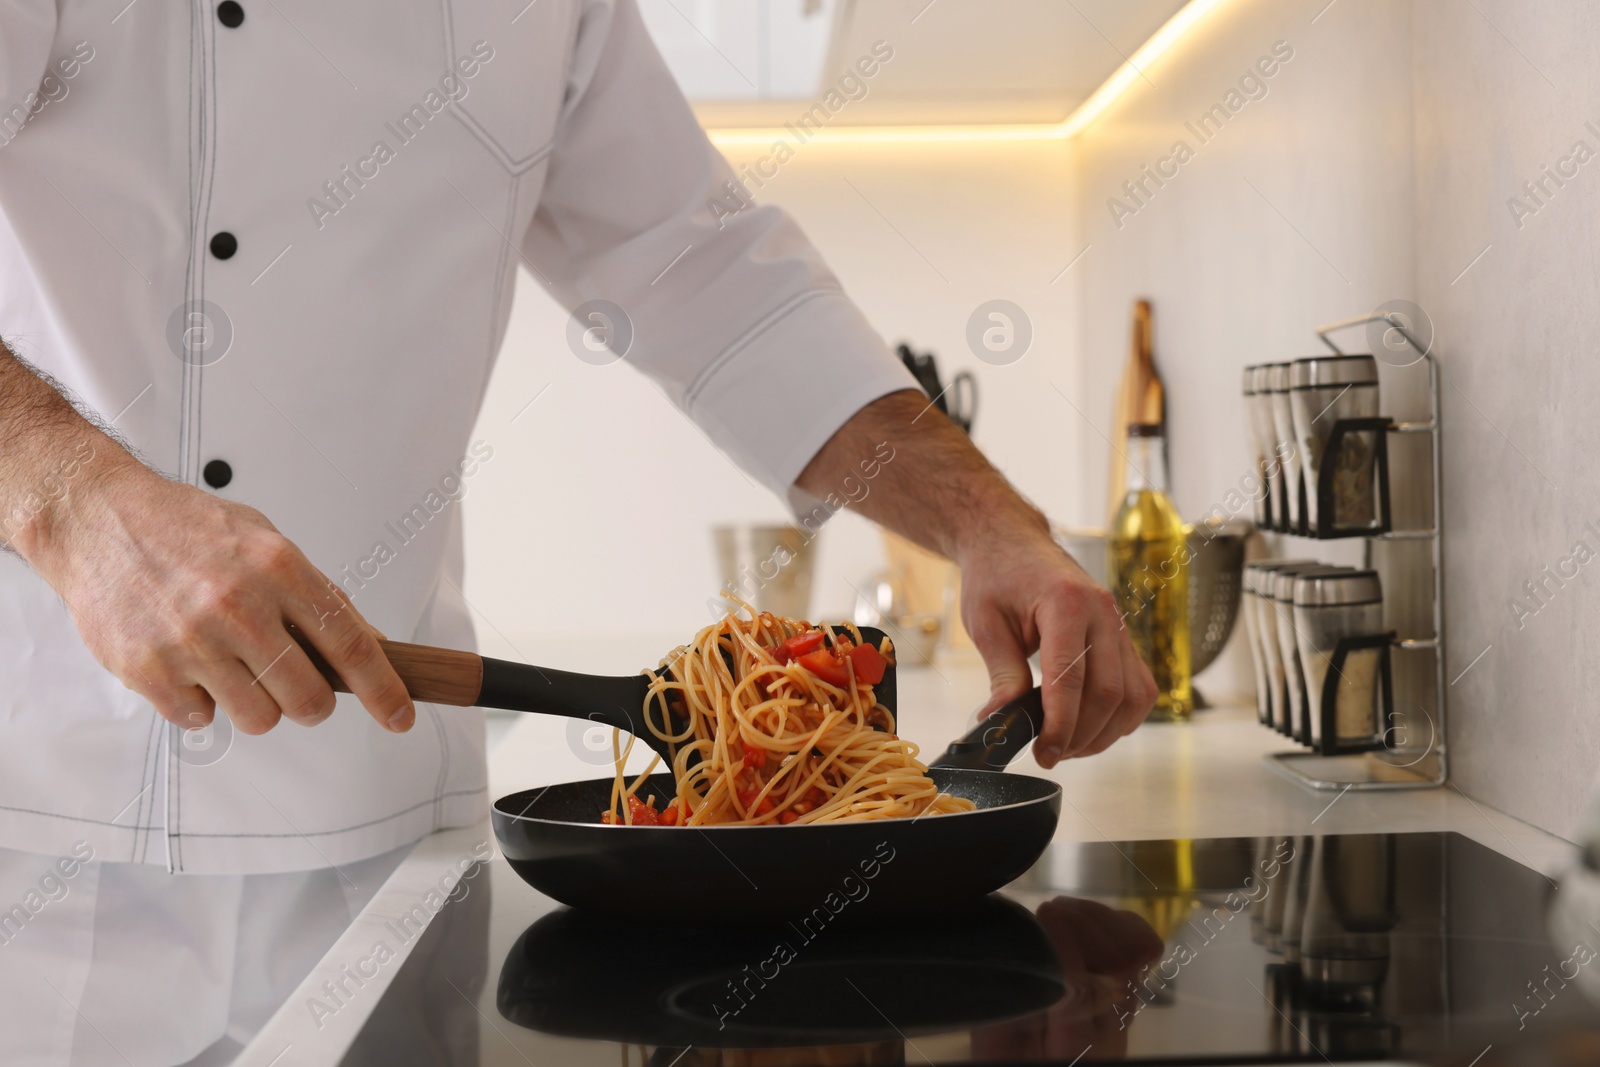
[1372,770]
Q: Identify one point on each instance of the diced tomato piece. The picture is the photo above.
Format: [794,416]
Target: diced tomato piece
[826,664]
[747,800]
[670,816]
[798,645]
[642,814]
[788,817]
[755,757]
[869,663]
[810,802]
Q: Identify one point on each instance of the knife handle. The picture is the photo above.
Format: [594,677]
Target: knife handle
[1000,738]
[435,675]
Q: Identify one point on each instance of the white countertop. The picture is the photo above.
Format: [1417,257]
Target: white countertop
[1202,779]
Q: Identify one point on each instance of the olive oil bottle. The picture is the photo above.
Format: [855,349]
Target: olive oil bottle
[1140,396]
[1148,569]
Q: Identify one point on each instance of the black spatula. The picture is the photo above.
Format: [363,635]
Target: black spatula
[464,679]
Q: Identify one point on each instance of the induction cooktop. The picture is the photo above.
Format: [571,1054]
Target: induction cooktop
[1295,949]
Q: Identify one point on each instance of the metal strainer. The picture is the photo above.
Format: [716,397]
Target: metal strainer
[1215,575]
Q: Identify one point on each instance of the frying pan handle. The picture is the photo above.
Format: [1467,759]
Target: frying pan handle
[435,675]
[1000,738]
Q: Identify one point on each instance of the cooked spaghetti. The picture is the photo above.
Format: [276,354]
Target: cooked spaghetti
[773,720]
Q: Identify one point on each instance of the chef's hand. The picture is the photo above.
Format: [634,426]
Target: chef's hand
[188,598]
[1020,593]
[901,463]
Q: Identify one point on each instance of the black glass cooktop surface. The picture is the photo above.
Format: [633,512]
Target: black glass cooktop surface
[1287,949]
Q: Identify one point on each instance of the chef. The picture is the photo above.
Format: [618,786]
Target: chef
[256,264]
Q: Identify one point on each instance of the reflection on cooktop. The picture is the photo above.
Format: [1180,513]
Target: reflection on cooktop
[1239,950]
[780,987]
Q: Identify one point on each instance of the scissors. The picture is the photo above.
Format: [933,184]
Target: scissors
[959,400]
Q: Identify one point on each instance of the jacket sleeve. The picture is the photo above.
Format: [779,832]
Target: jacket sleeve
[732,311]
[27,28]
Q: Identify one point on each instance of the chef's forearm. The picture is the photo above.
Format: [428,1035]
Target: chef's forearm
[48,454]
[938,490]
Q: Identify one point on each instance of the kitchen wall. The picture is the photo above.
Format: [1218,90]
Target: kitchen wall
[594,516]
[1502,93]
[1376,165]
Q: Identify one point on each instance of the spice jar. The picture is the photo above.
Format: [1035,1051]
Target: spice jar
[1323,390]
[1264,442]
[1264,629]
[1268,620]
[1247,607]
[1329,605]
[1297,720]
[1291,518]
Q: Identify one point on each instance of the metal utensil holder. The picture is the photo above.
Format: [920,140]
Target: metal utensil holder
[1368,767]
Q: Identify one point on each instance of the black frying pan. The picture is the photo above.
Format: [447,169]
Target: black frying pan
[554,840]
[803,873]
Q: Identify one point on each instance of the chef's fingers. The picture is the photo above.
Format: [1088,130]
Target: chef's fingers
[346,640]
[344,596]
[1103,690]
[1142,690]
[297,687]
[188,707]
[1004,654]
[1064,661]
[248,704]
[1138,690]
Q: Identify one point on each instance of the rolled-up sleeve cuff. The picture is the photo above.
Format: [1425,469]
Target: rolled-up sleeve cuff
[775,396]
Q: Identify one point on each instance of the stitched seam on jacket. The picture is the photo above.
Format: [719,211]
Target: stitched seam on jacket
[314,833]
[343,829]
[72,818]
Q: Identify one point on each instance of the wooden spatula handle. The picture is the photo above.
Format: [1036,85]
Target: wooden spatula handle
[436,675]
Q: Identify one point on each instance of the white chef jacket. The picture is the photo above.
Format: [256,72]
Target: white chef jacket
[123,965]
[381,167]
